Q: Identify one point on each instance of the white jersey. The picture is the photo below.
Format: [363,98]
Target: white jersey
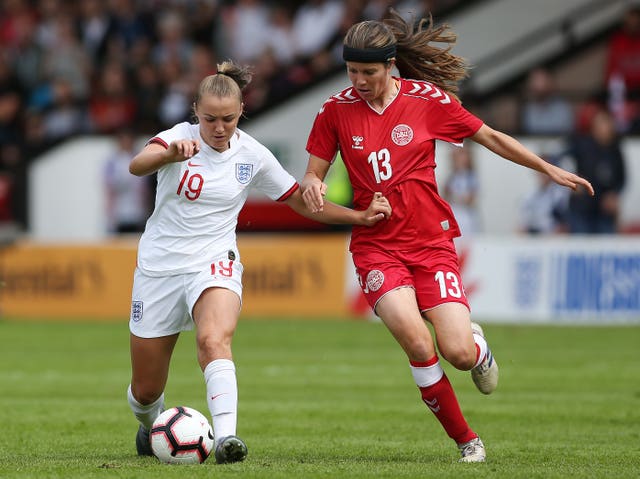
[198,201]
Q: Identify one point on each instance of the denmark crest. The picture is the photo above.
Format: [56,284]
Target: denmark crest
[375,278]
[244,172]
[402,135]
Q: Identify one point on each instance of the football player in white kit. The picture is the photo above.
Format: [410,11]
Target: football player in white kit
[188,267]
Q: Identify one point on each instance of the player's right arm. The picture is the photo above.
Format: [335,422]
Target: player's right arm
[312,185]
[154,156]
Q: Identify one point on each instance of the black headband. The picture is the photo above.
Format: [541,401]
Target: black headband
[368,55]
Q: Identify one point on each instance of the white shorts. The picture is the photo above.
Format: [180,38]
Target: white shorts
[163,305]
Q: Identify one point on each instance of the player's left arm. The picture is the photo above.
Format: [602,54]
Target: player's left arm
[511,149]
[378,209]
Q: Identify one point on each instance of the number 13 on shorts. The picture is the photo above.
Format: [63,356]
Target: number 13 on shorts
[449,284]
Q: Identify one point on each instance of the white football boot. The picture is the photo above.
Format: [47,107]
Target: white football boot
[472,451]
[485,374]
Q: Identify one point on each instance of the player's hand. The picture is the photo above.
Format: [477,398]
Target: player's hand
[378,209]
[313,192]
[181,150]
[568,179]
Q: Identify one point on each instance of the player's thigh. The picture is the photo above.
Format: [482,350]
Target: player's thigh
[399,312]
[452,326]
[150,358]
[216,312]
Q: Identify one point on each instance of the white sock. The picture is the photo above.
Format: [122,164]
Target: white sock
[222,397]
[146,414]
[424,375]
[482,347]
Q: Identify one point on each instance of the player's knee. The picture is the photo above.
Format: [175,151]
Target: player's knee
[418,350]
[459,357]
[145,393]
[211,347]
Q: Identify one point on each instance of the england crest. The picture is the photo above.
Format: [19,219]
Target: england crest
[244,172]
[136,311]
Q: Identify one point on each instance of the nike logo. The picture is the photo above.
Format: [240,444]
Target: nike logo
[432,404]
[192,164]
[213,398]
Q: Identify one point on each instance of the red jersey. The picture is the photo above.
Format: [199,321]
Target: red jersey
[393,152]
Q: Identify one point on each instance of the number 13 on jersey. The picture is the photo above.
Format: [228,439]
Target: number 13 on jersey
[380,162]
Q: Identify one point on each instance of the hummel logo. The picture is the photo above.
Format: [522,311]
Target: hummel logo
[193,164]
[432,404]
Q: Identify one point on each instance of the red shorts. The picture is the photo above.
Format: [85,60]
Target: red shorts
[432,271]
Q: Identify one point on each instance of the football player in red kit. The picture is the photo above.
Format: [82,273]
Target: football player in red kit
[385,128]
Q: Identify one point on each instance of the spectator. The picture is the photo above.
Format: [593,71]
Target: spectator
[112,106]
[65,57]
[461,191]
[148,89]
[202,62]
[49,13]
[544,111]
[172,43]
[634,121]
[13,185]
[544,210]
[11,101]
[203,21]
[176,99]
[131,25]
[128,196]
[63,115]
[587,109]
[244,24]
[280,38]
[26,53]
[13,12]
[95,26]
[598,156]
[315,24]
[623,56]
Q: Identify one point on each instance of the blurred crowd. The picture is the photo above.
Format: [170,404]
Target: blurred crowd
[545,109]
[591,128]
[130,67]
[104,66]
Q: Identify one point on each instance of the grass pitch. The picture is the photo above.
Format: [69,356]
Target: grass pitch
[326,399]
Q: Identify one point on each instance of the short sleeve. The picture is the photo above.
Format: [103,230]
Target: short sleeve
[323,139]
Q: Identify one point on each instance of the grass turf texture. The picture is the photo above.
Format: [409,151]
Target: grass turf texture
[331,399]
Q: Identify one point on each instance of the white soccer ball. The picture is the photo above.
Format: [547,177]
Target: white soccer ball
[181,435]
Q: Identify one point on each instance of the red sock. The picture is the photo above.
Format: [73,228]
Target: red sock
[442,402]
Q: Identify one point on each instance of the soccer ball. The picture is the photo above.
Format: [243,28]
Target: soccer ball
[181,435]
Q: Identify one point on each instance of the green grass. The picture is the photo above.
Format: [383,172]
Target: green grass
[330,399]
